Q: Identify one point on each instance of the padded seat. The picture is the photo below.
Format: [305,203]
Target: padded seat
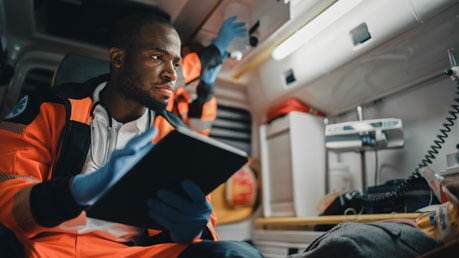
[78,68]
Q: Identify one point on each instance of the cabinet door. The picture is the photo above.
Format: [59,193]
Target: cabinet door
[293,165]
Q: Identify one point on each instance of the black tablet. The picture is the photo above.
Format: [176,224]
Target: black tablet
[181,154]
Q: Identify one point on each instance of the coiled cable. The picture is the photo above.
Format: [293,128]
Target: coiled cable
[399,191]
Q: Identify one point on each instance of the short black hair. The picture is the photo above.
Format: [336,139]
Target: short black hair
[127,28]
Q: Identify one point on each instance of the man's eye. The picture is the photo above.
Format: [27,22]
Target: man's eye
[177,66]
[157,57]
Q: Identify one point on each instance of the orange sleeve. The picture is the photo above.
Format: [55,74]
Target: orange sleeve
[191,67]
[26,158]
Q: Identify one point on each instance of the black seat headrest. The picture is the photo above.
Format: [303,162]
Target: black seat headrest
[78,68]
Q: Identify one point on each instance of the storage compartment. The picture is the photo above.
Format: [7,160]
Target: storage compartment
[293,165]
[334,74]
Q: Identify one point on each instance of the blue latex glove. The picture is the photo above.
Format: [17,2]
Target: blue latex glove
[185,218]
[229,30]
[209,76]
[87,188]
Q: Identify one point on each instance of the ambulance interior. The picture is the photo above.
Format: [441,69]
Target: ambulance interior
[326,96]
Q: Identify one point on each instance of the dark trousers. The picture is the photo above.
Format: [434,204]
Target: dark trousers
[221,249]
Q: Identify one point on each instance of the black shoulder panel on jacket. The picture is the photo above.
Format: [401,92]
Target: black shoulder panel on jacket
[27,108]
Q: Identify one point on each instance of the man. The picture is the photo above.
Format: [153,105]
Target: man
[63,148]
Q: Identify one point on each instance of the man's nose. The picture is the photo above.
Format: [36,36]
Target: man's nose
[169,72]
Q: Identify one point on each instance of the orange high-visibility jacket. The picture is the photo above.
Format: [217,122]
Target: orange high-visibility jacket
[43,144]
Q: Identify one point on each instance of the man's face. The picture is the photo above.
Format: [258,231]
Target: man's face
[149,72]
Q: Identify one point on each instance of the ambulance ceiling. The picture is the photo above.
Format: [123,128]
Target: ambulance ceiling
[83,25]
[90,20]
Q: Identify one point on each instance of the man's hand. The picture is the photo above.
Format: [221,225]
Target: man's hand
[229,30]
[87,188]
[184,217]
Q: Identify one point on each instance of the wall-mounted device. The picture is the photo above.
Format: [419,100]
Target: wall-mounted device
[372,134]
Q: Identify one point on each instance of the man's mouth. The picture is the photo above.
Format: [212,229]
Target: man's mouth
[165,90]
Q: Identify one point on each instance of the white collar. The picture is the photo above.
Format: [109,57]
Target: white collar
[141,123]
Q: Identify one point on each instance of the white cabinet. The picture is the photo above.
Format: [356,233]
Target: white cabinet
[293,165]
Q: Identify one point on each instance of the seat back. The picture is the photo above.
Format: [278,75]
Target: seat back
[78,68]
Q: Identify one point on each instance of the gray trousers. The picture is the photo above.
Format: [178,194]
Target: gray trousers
[374,240]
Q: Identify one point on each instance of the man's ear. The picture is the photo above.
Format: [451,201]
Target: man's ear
[116,57]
